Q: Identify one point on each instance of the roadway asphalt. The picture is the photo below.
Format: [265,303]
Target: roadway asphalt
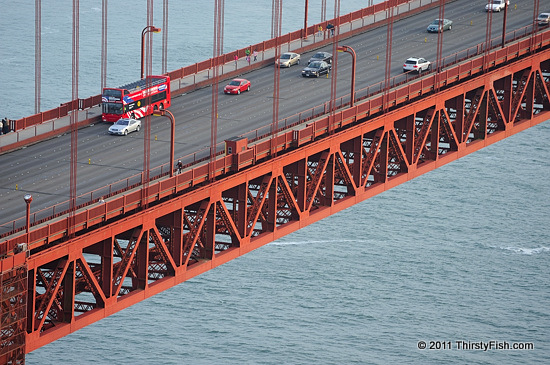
[43,169]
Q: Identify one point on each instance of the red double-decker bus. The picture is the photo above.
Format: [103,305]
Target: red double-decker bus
[137,99]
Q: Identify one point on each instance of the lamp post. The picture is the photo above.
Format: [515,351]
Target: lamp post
[351,51]
[28,200]
[167,113]
[147,29]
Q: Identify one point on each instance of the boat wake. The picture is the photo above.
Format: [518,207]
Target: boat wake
[526,250]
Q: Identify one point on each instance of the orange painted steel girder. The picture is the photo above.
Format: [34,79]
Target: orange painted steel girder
[13,312]
[123,262]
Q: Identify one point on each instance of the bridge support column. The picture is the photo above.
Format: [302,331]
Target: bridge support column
[207,252]
[107,266]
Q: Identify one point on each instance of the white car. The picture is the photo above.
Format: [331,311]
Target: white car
[543,19]
[497,5]
[417,64]
[288,59]
[124,126]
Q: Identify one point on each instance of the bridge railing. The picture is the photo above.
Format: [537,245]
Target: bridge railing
[119,204]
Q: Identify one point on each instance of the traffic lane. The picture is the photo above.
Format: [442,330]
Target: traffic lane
[371,50]
[46,174]
[258,112]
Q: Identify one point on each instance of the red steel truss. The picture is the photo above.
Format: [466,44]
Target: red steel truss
[13,309]
[126,249]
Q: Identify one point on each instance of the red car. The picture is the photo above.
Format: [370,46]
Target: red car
[236,86]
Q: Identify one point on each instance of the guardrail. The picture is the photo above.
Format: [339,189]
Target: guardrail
[95,212]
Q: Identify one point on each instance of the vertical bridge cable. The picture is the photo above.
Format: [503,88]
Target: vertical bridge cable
[74,118]
[165,37]
[535,24]
[488,35]
[37,54]
[335,39]
[104,7]
[439,60]
[304,33]
[389,39]
[216,57]
[323,11]
[276,22]
[147,119]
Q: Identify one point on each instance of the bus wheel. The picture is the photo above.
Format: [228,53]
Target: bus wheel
[156,108]
[161,106]
[133,116]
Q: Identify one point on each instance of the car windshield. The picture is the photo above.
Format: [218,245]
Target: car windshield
[316,64]
[319,55]
[235,83]
[122,122]
[544,16]
[435,22]
[285,57]
[410,62]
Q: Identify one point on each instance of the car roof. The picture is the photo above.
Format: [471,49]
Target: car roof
[239,80]
[291,53]
[414,58]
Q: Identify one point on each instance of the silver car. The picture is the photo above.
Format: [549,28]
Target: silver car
[288,59]
[440,25]
[124,126]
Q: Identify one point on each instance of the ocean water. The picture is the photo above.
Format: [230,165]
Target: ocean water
[458,254]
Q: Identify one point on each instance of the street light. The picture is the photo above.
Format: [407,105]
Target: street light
[167,113]
[351,51]
[147,29]
[28,200]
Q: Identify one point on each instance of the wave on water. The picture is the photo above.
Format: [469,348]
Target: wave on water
[527,250]
[305,242]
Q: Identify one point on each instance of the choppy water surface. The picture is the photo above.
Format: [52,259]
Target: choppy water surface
[458,254]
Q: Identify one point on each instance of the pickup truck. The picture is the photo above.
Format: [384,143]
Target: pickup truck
[496,5]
